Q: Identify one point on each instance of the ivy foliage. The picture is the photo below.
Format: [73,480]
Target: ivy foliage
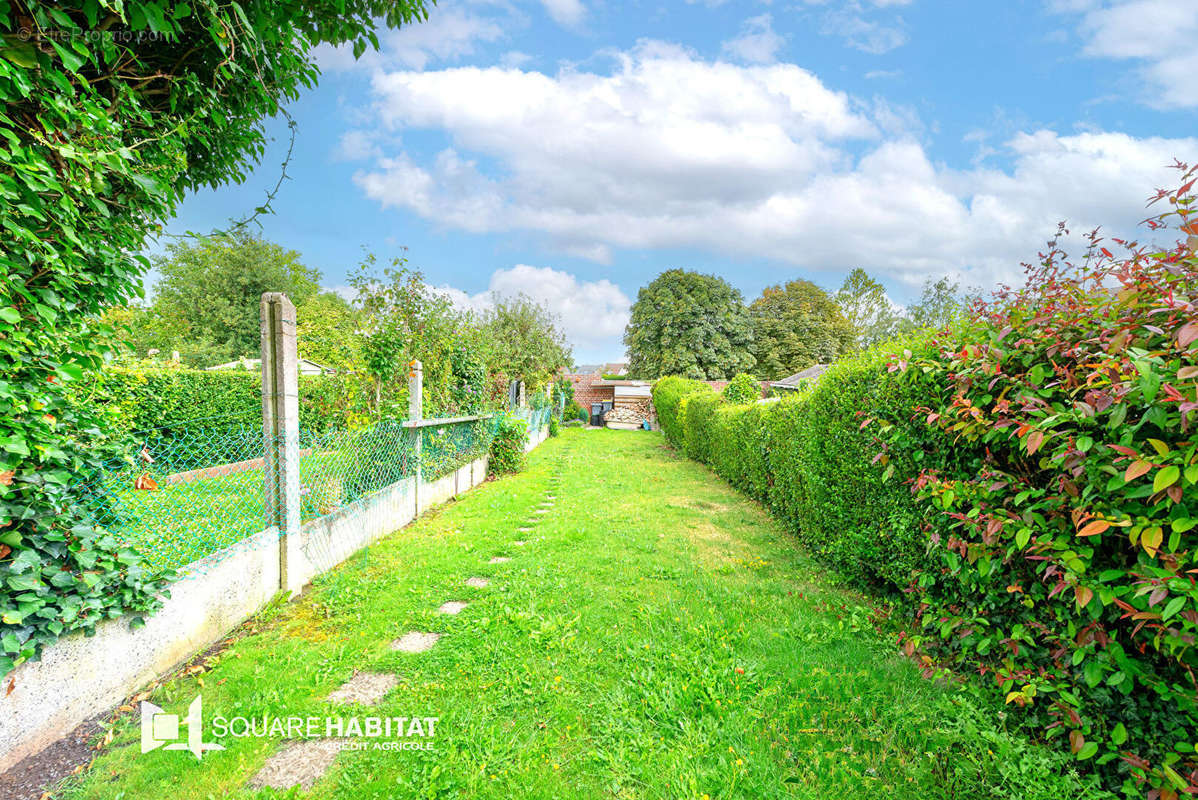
[112,112]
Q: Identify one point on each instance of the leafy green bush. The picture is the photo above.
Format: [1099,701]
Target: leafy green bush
[1024,486]
[182,111]
[507,446]
[742,389]
[576,412]
[555,427]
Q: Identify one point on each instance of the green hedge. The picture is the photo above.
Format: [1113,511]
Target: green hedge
[1034,559]
[197,418]
[143,399]
[667,398]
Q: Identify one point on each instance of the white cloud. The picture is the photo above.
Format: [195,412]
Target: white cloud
[757,42]
[569,13]
[669,151]
[356,145]
[451,32]
[865,25]
[860,31]
[1160,35]
[591,314]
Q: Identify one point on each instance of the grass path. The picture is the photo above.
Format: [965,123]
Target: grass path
[657,636]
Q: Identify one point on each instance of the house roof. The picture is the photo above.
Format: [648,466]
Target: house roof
[587,369]
[810,374]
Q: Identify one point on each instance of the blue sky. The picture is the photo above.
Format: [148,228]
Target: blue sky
[574,149]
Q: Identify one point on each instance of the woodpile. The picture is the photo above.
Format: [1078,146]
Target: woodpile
[629,410]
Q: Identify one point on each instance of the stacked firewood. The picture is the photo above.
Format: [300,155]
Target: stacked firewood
[629,411]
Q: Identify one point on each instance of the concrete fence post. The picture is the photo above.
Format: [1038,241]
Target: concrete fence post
[415,414]
[280,433]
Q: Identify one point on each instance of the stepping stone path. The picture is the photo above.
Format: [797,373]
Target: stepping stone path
[302,763]
[415,642]
[299,764]
[364,688]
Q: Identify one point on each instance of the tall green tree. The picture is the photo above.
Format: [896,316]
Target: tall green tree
[868,310]
[689,324]
[113,111]
[525,341]
[402,319]
[210,288]
[797,325]
[327,331]
[938,306]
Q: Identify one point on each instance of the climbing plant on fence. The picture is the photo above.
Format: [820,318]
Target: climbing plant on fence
[1025,488]
[111,112]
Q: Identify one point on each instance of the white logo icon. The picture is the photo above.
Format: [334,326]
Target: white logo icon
[157,729]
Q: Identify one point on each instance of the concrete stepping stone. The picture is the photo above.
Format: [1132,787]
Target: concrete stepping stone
[300,764]
[478,583]
[499,560]
[452,607]
[415,642]
[540,511]
[364,688]
[519,544]
[525,529]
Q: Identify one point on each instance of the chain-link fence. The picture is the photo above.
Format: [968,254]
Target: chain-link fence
[183,491]
[187,491]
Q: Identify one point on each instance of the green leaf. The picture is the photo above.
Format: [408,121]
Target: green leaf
[1088,751]
[1119,734]
[10,315]
[1165,477]
[1175,605]
[1022,537]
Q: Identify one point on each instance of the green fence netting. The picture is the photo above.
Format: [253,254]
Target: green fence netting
[188,491]
[182,492]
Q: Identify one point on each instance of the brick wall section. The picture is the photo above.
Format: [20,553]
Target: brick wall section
[586,393]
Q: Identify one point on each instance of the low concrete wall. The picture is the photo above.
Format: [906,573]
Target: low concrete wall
[535,438]
[79,677]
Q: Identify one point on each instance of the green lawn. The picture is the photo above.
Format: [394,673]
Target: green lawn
[658,637]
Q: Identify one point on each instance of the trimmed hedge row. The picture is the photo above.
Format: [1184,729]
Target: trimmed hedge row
[144,399]
[197,418]
[1025,489]
[806,457]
